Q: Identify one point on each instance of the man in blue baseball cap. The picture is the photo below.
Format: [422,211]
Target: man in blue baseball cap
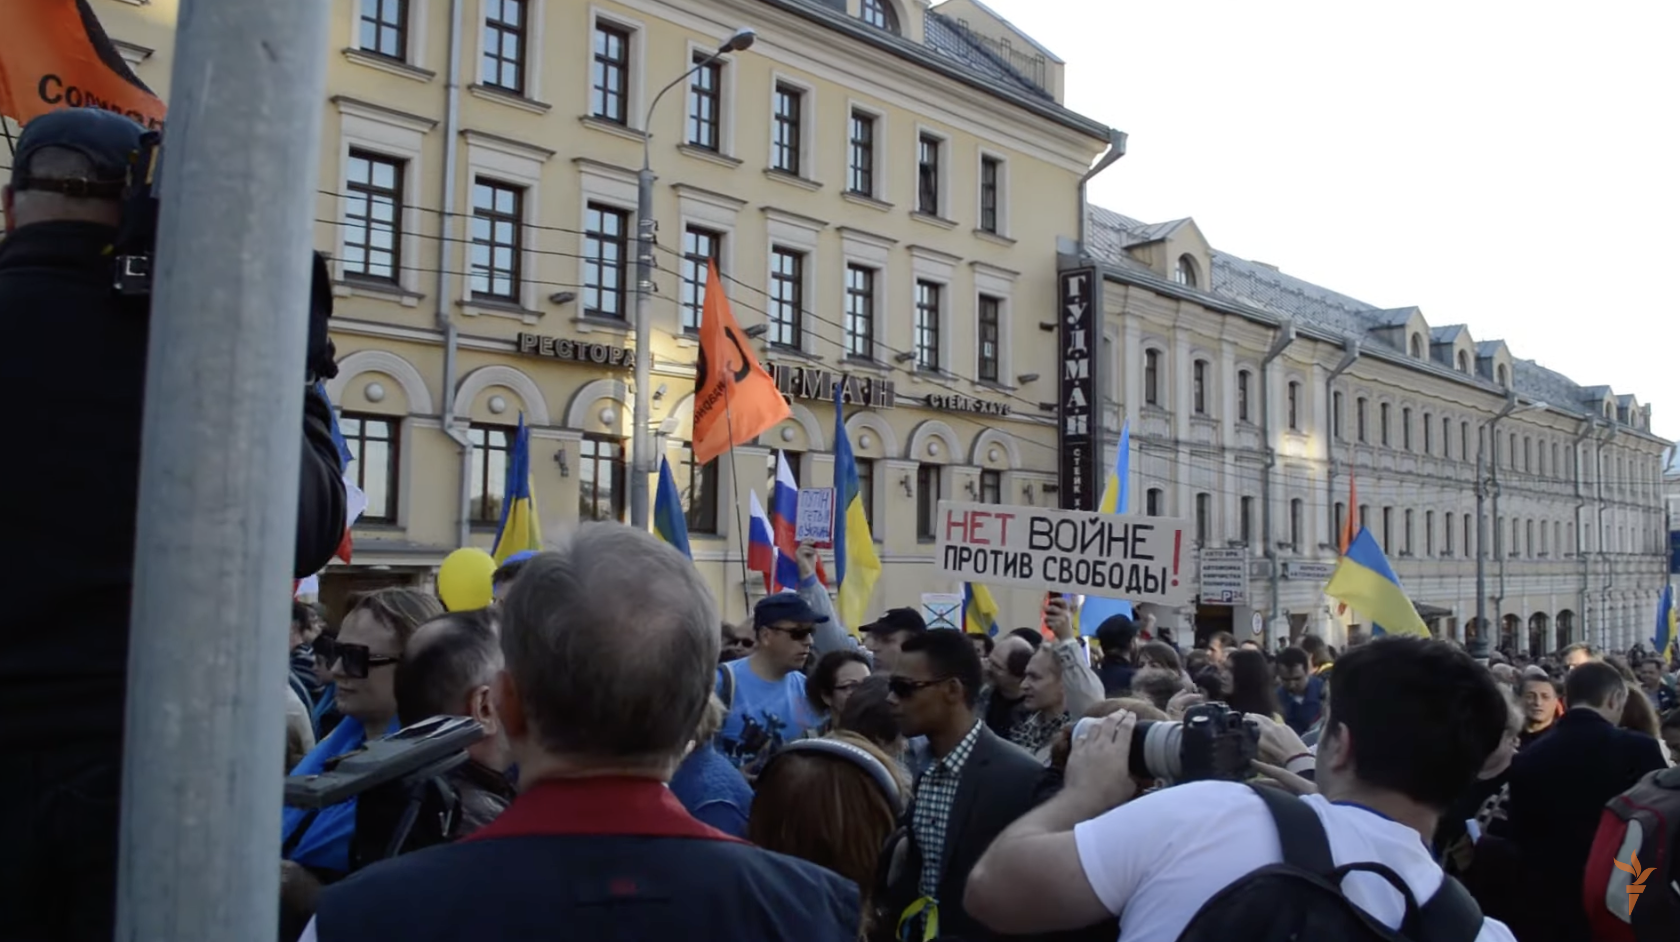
[768,706]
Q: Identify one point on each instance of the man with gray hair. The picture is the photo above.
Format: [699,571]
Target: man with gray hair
[611,644]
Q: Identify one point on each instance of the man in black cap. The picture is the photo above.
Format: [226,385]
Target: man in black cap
[64,633]
[887,634]
[769,706]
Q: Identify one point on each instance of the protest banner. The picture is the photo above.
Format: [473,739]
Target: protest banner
[1114,555]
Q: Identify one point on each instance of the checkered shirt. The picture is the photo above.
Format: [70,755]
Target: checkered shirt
[936,792]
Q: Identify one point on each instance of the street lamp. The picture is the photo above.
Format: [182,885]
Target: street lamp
[641,445]
[1478,646]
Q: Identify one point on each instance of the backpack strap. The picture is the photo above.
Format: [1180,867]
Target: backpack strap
[1299,831]
[726,686]
[1451,915]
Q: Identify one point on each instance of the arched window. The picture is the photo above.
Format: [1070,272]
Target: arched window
[1198,386]
[1185,272]
[1294,406]
[1406,429]
[1417,346]
[1242,396]
[880,14]
[1502,376]
[1428,433]
[1463,362]
[1152,377]
[1153,501]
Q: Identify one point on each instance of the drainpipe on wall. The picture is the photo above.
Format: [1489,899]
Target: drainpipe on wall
[451,158]
[1587,427]
[1351,345]
[1603,548]
[1285,337]
[1116,150]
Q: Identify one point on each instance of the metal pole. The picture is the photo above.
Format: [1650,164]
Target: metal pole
[1478,646]
[200,846]
[641,449]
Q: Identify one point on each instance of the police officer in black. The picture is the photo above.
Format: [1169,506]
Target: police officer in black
[73,365]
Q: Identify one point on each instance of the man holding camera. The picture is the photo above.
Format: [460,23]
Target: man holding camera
[64,636]
[1410,724]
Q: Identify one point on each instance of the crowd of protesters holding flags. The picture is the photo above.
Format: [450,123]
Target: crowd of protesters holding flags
[630,766]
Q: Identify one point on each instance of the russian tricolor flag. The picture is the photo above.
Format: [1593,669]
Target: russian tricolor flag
[761,547]
[784,510]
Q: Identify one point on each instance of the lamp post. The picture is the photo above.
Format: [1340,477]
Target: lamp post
[1478,647]
[641,444]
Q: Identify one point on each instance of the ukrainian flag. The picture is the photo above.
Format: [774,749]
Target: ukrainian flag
[669,522]
[1366,582]
[1116,499]
[1665,622]
[520,530]
[979,609]
[856,565]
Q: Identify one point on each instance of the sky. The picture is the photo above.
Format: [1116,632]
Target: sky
[1509,166]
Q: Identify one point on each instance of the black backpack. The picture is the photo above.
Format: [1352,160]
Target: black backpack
[1302,897]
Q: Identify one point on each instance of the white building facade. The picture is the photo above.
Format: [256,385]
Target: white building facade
[1255,399]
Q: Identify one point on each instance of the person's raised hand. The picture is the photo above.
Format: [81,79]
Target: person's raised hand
[1099,767]
[1278,743]
[1058,619]
[806,556]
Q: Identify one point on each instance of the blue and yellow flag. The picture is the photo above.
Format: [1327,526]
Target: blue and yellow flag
[1666,613]
[520,530]
[979,609]
[856,565]
[1366,582]
[1116,499]
[669,522]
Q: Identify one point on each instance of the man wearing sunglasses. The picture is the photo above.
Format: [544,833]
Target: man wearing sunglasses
[769,706]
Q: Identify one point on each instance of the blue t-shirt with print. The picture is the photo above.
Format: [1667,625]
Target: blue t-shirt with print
[765,714]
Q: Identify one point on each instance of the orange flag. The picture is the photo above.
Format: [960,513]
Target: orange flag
[1349,529]
[735,400]
[54,54]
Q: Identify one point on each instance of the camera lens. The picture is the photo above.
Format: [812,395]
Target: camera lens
[1155,750]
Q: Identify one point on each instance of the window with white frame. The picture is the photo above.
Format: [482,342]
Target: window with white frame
[1152,377]
[379,235]
[1243,378]
[988,318]
[787,297]
[705,103]
[787,129]
[506,34]
[384,28]
[605,248]
[991,194]
[930,162]
[1199,387]
[700,247]
[860,311]
[373,210]
[879,14]
[929,303]
[497,239]
[609,74]
[860,153]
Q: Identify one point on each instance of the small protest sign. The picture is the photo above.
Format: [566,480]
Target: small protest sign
[942,609]
[814,516]
[1121,556]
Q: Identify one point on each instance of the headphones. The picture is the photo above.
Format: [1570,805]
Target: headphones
[839,749]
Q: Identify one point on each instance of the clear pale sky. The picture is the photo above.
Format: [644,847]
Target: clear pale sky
[1510,166]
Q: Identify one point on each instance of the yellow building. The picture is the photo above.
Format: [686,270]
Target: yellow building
[885,188]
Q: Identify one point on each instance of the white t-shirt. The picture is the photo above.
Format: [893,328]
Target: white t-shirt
[1155,860]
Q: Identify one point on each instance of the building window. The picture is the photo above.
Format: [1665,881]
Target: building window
[1245,521]
[1359,419]
[373,217]
[1557,469]
[609,75]
[498,239]
[927,174]
[699,489]
[1501,376]
[1295,528]
[879,14]
[490,445]
[600,478]
[991,172]
[860,312]
[1406,429]
[1385,415]
[927,502]
[385,28]
[1528,538]
[991,486]
[1336,414]
[990,324]
[1294,403]
[1428,433]
[1198,387]
[700,246]
[1464,441]
[1152,377]
[1544,540]
[1408,544]
[1364,516]
[1528,455]
[1339,520]
[1463,362]
[504,47]
[372,440]
[866,491]
[1388,529]
[786,126]
[604,243]
[787,298]
[1467,534]
[860,165]
[1204,518]
[927,325]
[1184,272]
[1446,534]
[1417,346]
[1152,501]
[705,104]
[1446,437]
[1242,396]
[1540,458]
[794,459]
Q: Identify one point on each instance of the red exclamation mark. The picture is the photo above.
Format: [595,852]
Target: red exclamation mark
[1178,544]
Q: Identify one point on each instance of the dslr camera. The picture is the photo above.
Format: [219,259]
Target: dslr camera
[1212,742]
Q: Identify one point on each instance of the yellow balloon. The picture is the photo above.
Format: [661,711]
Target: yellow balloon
[463,581]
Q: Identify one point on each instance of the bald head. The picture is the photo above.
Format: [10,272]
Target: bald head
[444,662]
[1007,663]
[611,643]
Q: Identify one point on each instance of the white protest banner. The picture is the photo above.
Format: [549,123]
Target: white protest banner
[1120,556]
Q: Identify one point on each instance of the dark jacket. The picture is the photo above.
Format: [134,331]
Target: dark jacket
[64,632]
[1116,678]
[586,860]
[1301,716]
[1000,782]
[1559,786]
